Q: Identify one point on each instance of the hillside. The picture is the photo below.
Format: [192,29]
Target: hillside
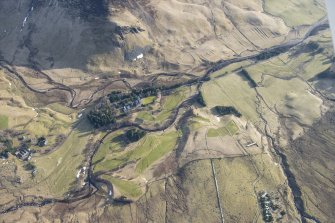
[76,42]
[166,111]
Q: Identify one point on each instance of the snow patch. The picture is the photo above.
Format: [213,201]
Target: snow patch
[24,21]
[140,56]
[59,161]
[78,173]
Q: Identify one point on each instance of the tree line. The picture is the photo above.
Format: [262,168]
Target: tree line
[229,110]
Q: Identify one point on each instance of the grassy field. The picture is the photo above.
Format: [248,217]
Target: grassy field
[145,116]
[229,129]
[197,122]
[292,64]
[235,178]
[110,145]
[14,112]
[148,100]
[217,132]
[125,187]
[158,147]
[149,149]
[282,86]
[283,83]
[58,170]
[282,67]
[231,90]
[171,102]
[168,104]
[61,109]
[3,122]
[48,123]
[191,195]
[296,12]
[239,181]
[292,98]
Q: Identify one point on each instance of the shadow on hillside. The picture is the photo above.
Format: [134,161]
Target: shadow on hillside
[59,34]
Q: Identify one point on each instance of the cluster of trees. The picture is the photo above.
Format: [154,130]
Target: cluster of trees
[6,146]
[200,100]
[268,206]
[189,82]
[120,99]
[133,135]
[313,46]
[131,99]
[247,76]
[30,166]
[102,115]
[146,92]
[271,53]
[107,112]
[115,96]
[42,141]
[223,110]
[118,96]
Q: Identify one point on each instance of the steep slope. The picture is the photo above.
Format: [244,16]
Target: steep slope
[106,36]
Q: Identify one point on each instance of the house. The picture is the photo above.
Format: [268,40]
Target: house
[23,154]
[130,105]
[22,138]
[42,141]
[125,110]
[3,153]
